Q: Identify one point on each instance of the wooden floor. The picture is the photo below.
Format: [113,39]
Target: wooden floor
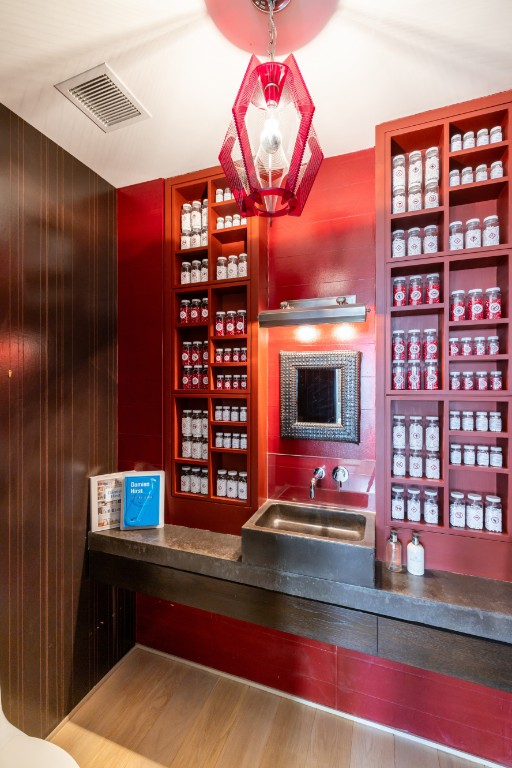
[154,711]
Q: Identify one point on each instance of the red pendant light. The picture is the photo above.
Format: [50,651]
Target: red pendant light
[271,153]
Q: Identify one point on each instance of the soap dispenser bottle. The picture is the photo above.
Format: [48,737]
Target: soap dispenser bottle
[415,556]
[394,552]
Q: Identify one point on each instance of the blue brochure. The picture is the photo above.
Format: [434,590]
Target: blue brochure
[143,500]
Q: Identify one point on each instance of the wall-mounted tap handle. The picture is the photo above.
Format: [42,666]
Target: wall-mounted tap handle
[319,473]
[340,476]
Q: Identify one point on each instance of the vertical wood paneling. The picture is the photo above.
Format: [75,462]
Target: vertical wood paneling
[59,633]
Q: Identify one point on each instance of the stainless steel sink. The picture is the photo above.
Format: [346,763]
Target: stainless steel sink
[326,542]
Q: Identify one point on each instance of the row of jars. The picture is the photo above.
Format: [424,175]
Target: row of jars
[194,217]
[232,484]
[474,235]
[194,353]
[228,381]
[410,507]
[193,311]
[194,447]
[231,355]
[194,377]
[481,381]
[226,222]
[478,305]
[481,421]
[481,173]
[413,290]
[417,467]
[418,169]
[416,243]
[470,513]
[479,345]
[194,272]
[226,412]
[414,348]
[194,423]
[416,437]
[236,441]
[231,267]
[484,136]
[416,199]
[231,323]
[412,377]
[223,195]
[194,480]
[479,455]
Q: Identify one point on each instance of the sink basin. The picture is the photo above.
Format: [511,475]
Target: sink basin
[325,542]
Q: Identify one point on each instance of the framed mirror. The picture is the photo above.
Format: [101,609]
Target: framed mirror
[320,395]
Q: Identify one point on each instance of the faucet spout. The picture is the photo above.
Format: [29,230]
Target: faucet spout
[318,474]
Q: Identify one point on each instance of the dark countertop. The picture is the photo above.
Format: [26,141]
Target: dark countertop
[466,604]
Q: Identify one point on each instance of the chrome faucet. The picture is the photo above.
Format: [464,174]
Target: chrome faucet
[318,474]
[340,476]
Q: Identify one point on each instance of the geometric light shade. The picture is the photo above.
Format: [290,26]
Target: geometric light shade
[271,154]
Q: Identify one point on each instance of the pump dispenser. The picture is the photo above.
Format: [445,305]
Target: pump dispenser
[415,556]
[394,552]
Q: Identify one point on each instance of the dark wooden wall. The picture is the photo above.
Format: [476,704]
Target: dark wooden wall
[59,633]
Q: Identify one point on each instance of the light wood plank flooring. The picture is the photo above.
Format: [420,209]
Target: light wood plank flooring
[153,711]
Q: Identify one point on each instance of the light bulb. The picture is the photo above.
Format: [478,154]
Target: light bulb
[271,138]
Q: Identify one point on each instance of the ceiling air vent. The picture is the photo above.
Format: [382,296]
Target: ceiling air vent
[103,97]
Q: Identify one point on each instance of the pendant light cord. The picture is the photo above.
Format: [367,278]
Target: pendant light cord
[272,31]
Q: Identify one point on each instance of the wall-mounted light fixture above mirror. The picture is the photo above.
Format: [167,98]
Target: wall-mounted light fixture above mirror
[333,309]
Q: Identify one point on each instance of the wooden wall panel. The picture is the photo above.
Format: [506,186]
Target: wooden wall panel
[59,633]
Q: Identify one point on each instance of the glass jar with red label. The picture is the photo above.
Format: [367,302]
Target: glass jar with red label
[227,355]
[458,306]
[204,310]
[492,303]
[184,314]
[467,380]
[493,345]
[219,381]
[228,381]
[219,355]
[243,381]
[398,381]
[236,354]
[195,311]
[430,344]
[415,290]
[186,351]
[243,354]
[479,345]
[431,375]
[481,381]
[241,322]
[455,380]
[196,353]
[475,305]
[398,345]
[433,288]
[186,379]
[204,377]
[414,375]
[399,292]
[466,346]
[197,376]
[220,323]
[413,345]
[454,346]
[206,353]
[230,322]
[496,380]
[236,381]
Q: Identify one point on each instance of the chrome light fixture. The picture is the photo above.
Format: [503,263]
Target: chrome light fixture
[334,309]
[271,153]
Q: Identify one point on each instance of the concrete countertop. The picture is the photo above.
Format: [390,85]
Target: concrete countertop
[466,604]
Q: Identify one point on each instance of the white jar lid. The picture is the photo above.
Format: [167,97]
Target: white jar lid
[474,496]
[455,373]
[187,207]
[467,413]
[432,418]
[495,129]
[431,151]
[481,167]
[416,418]
[397,489]
[469,447]
[396,333]
[398,233]
[397,416]
[454,413]
[430,492]
[467,169]
[399,189]
[472,221]
[416,187]
[222,472]
[398,158]
[489,290]
[469,134]
[493,499]
[415,154]
[413,230]
[432,274]
[494,413]
[475,290]
[489,338]
[414,491]
[481,373]
[491,218]
[414,277]
[479,338]
[495,373]
[430,330]
[497,163]
[482,131]
[456,224]
[431,228]
[455,445]
[495,449]
[453,338]
[467,373]
[414,330]
[456,137]
[456,495]
[459,290]
[455,172]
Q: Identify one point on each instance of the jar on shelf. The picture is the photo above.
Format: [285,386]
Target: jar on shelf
[227,355]
[456,239]
[457,510]
[495,456]
[195,311]
[186,447]
[458,306]
[413,242]
[482,137]
[186,378]
[475,512]
[242,265]
[398,175]
[219,195]
[430,239]
[204,312]
[204,425]
[475,304]
[228,381]
[236,219]
[220,222]
[186,353]
[243,354]
[196,377]
[454,346]
[399,292]
[195,217]
[398,201]
[228,195]
[204,271]
[468,140]
[455,380]
[493,514]
[397,502]
[432,466]
[204,481]
[219,381]
[204,377]
[431,376]
[414,375]
[242,486]
[230,322]
[243,381]
[237,384]
[185,479]
[243,441]
[468,421]
[482,383]
[479,346]
[398,345]
[469,456]
[186,422]
[430,344]
[195,272]
[481,421]
[204,237]
[398,432]
[232,484]
[222,482]
[433,288]
[236,354]
[467,381]
[415,290]
[432,433]
[398,243]
[222,268]
[185,241]
[243,413]
[226,413]
[186,219]
[495,381]
[413,505]
[495,134]
[455,454]
[241,322]
[431,195]
[195,237]
[228,222]
[431,507]
[413,344]
[473,238]
[456,142]
[185,273]
[432,165]
[204,214]
[496,169]
[482,455]
[415,170]
[454,178]
[466,176]
[414,197]
[220,323]
[226,440]
[399,463]
[466,346]
[235,441]
[493,345]
[196,352]
[235,413]
[196,448]
[481,172]
[492,304]
[491,231]
[416,433]
[454,420]
[232,267]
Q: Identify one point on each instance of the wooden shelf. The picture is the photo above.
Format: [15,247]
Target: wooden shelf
[242,451]
[476,358]
[229,424]
[419,526]
[475,433]
[487,152]
[228,365]
[476,468]
[421,309]
[475,324]
[195,462]
[191,325]
[477,191]
[416,218]
[421,481]
[225,233]
[187,251]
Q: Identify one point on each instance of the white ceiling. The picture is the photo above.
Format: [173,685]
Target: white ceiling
[375,60]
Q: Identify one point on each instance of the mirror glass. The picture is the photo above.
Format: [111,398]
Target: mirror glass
[318,398]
